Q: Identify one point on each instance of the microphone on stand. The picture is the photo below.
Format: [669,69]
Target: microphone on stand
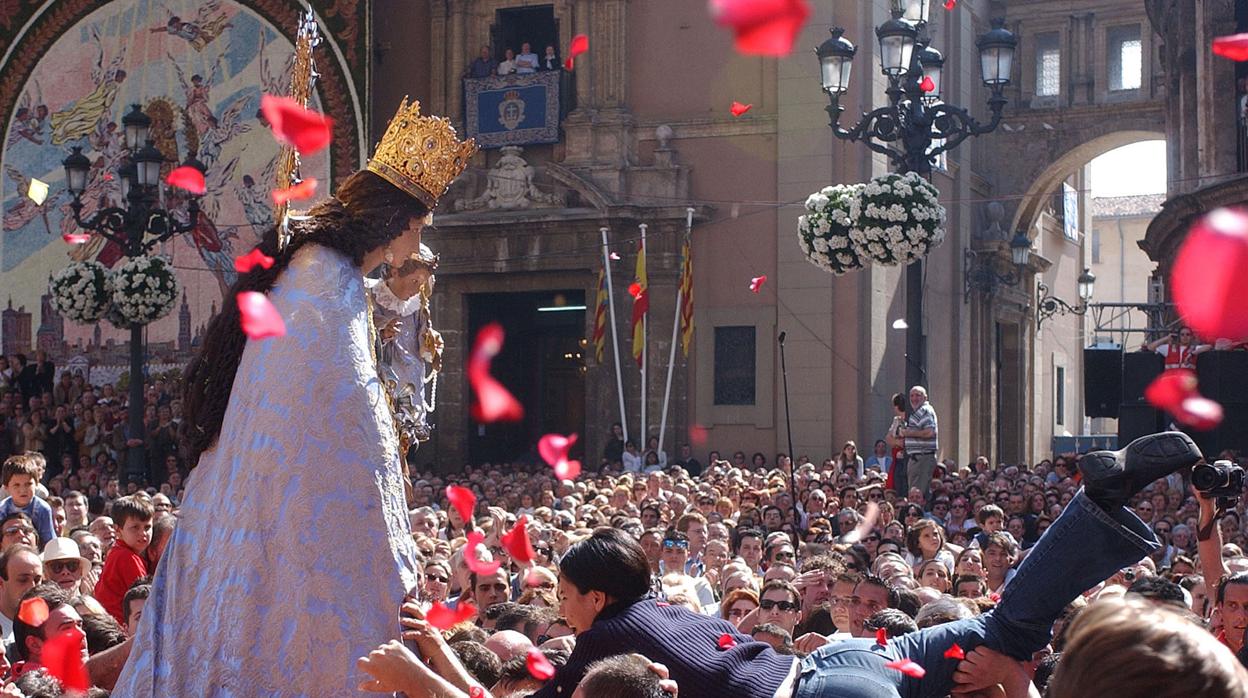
[788,427]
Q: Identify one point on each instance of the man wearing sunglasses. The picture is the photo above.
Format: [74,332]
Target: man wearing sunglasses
[780,604]
[672,558]
[63,564]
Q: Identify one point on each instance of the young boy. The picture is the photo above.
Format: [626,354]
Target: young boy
[20,474]
[125,563]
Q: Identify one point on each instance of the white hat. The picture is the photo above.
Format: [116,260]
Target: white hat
[64,549]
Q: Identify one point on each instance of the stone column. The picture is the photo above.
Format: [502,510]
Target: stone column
[437,58]
[457,59]
[609,30]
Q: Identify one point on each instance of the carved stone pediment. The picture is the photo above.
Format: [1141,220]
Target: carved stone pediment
[510,186]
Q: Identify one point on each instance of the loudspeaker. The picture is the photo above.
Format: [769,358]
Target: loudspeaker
[1232,433]
[1136,420]
[1102,380]
[1139,368]
[1223,376]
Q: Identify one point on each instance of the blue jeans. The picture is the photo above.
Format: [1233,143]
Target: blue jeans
[1083,547]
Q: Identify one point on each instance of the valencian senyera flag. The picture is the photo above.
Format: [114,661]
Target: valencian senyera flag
[600,315]
[641,304]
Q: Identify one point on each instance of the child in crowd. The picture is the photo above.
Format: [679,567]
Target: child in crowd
[20,473]
[125,562]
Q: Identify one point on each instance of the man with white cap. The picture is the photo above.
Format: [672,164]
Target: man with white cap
[63,564]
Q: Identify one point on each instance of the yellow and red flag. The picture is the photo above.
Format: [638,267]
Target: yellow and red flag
[600,315]
[641,304]
[686,297]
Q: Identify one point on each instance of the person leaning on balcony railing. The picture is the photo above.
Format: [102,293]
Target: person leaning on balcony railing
[526,62]
[483,66]
[508,65]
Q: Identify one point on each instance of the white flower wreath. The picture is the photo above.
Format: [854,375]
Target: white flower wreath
[81,291]
[899,219]
[145,289]
[823,232]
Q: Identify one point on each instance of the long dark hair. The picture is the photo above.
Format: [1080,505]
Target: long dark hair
[366,213]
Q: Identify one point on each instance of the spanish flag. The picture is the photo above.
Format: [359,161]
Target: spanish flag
[686,297]
[641,304]
[600,315]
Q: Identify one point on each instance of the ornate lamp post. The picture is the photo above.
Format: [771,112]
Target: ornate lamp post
[136,229]
[1049,305]
[985,275]
[915,116]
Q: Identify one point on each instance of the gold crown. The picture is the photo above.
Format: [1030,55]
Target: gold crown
[420,154]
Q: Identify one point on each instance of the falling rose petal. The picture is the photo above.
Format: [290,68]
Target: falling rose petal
[251,260]
[568,469]
[494,403]
[907,667]
[554,447]
[443,617]
[463,500]
[1234,47]
[634,290]
[614,257]
[865,526]
[474,563]
[1199,413]
[950,4]
[75,238]
[698,435]
[579,45]
[33,612]
[260,320]
[516,541]
[927,85]
[1208,282]
[762,27]
[756,283]
[303,190]
[738,108]
[476,692]
[1169,390]
[293,125]
[188,178]
[726,642]
[539,666]
[955,652]
[62,658]
[881,637]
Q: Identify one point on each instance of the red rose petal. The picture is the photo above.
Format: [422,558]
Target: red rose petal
[950,4]
[251,260]
[762,27]
[554,447]
[756,283]
[881,637]
[539,666]
[907,667]
[62,657]
[738,108]
[1171,388]
[493,403]
[516,541]
[663,604]
[1208,281]
[568,469]
[474,563]
[188,178]
[955,652]
[579,45]
[463,500]
[259,319]
[302,129]
[927,85]
[444,618]
[634,290]
[303,190]
[1234,47]
[698,435]
[75,238]
[726,642]
[1199,413]
[476,692]
[33,612]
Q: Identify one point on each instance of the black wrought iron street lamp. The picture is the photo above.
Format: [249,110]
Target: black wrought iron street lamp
[137,229]
[1049,305]
[914,118]
[985,275]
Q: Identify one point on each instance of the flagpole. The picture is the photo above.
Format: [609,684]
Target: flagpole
[615,340]
[645,351]
[671,356]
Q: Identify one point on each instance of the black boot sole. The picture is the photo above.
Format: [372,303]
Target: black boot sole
[1112,478]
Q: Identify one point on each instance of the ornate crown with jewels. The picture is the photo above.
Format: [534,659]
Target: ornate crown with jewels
[420,154]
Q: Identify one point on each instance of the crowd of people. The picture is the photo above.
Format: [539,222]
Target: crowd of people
[524,62]
[777,557]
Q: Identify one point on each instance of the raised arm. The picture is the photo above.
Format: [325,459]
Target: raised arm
[1209,541]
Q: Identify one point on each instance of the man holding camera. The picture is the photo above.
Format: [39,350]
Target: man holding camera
[1215,486]
[1179,349]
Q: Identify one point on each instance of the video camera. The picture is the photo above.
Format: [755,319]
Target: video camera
[1223,479]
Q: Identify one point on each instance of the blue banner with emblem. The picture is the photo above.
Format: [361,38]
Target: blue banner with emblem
[513,109]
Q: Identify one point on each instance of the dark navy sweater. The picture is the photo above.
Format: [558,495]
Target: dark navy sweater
[686,642]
